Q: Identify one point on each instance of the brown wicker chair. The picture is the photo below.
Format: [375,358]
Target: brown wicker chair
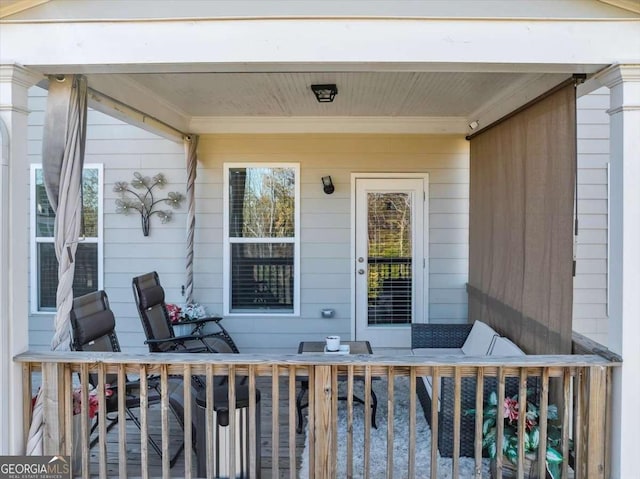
[452,336]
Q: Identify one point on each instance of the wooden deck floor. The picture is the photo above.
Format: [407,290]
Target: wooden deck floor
[133,441]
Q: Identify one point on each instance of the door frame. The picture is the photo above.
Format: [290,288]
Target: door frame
[424,318]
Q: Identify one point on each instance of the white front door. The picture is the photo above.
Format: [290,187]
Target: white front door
[390,258]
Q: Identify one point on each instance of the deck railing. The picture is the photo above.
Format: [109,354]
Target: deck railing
[585,388]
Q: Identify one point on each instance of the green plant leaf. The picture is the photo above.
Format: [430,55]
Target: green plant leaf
[553,456]
[488,424]
[489,438]
[512,454]
[492,450]
[552,413]
[534,438]
[554,470]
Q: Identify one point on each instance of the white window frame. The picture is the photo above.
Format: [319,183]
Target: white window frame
[34,241]
[227,241]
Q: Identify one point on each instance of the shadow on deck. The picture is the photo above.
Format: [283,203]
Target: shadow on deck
[155,462]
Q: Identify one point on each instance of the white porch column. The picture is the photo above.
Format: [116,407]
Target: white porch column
[624,269]
[14,259]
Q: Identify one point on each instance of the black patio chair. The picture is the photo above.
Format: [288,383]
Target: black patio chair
[149,296]
[93,329]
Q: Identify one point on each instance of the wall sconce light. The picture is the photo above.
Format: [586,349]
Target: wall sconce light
[327,185]
[325,93]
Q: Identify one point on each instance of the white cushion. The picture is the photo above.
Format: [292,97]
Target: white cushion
[505,347]
[480,340]
[437,352]
[428,384]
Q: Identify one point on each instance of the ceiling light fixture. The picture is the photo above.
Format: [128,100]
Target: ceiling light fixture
[325,93]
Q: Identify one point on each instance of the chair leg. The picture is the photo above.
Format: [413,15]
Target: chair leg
[175,457]
[95,426]
[374,408]
[151,441]
[304,386]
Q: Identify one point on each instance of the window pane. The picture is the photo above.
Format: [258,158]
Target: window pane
[85,279]
[45,217]
[390,258]
[261,202]
[90,202]
[262,276]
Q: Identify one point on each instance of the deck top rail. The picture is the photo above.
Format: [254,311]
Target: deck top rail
[58,357]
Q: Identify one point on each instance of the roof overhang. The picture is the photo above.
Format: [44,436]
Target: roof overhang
[117,55]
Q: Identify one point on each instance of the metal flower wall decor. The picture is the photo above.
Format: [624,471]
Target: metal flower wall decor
[143,201]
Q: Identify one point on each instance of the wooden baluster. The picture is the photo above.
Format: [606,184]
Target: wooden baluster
[164,420]
[275,421]
[596,417]
[253,419]
[350,421]
[292,422]
[390,411]
[144,422]
[122,421]
[544,407]
[53,402]
[457,406]
[435,406]
[187,420]
[479,420]
[323,423]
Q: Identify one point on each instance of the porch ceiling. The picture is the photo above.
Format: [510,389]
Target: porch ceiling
[359,93]
[367,101]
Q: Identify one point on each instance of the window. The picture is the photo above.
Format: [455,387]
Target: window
[261,230]
[88,260]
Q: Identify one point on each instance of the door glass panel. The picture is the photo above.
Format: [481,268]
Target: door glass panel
[390,253]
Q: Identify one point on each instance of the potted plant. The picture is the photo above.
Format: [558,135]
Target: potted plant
[531,437]
[181,315]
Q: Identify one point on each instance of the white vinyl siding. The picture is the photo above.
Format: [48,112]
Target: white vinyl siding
[325,263]
[123,149]
[590,312]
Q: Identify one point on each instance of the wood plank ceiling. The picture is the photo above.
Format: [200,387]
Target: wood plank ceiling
[388,94]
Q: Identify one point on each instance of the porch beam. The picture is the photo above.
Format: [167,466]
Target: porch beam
[624,262]
[117,109]
[14,285]
[127,100]
[331,124]
[206,45]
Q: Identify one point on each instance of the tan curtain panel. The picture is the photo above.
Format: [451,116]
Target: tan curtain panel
[521,225]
